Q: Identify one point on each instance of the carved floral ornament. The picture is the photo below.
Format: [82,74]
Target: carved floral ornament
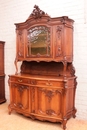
[59,30]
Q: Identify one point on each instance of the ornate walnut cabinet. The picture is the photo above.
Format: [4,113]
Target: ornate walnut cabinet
[2,74]
[44,88]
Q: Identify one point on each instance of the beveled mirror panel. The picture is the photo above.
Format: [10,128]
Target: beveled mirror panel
[39,41]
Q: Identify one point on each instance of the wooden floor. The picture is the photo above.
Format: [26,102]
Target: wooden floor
[16,121]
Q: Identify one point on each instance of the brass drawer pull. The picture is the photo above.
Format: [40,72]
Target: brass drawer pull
[49,84]
[33,82]
[20,80]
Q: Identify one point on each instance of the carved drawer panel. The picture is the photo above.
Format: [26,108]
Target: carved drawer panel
[20,80]
[50,83]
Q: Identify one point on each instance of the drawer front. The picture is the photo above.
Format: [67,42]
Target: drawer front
[50,83]
[23,80]
[20,80]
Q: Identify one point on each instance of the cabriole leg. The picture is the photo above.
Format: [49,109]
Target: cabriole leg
[64,123]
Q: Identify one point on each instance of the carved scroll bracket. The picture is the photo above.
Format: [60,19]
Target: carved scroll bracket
[15,62]
[16,65]
[65,66]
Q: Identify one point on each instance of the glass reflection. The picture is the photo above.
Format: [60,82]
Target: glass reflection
[39,41]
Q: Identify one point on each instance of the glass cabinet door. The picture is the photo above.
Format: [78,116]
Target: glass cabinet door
[38,41]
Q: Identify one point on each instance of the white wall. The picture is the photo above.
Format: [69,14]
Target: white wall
[16,11]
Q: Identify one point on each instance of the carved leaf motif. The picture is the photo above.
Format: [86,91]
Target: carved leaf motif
[59,29]
[21,43]
[50,112]
[50,93]
[21,88]
[59,41]
[71,69]
[20,105]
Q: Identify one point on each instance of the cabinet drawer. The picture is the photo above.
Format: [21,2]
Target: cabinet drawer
[50,83]
[41,82]
[20,80]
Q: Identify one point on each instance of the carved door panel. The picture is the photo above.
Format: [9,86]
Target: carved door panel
[19,96]
[47,101]
[63,42]
[20,43]
[59,41]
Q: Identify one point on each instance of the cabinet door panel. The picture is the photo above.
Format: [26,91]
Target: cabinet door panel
[20,96]
[49,102]
[63,47]
[68,39]
[59,41]
[20,43]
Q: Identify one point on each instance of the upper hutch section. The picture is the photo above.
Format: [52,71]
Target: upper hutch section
[42,38]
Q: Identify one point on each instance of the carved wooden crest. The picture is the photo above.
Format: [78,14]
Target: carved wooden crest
[37,13]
